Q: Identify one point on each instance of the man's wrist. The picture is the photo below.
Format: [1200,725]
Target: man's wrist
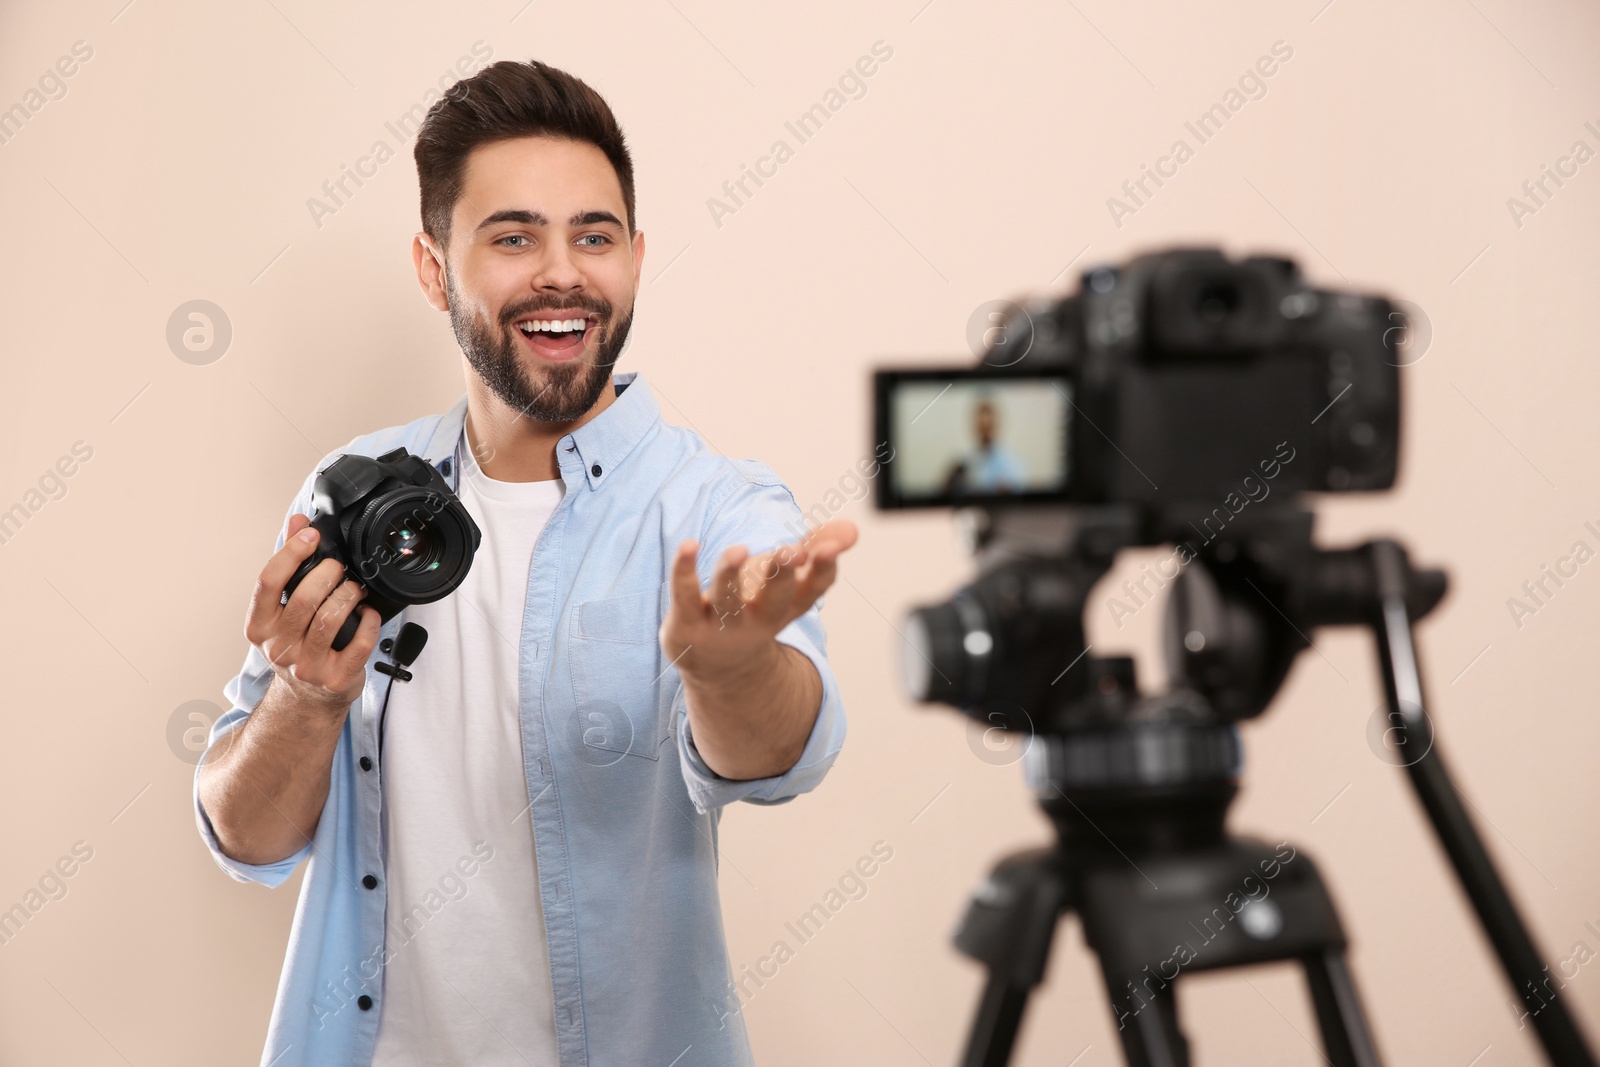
[301,711]
[740,730]
[737,675]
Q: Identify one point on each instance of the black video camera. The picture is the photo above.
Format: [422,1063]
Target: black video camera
[1172,383]
[397,528]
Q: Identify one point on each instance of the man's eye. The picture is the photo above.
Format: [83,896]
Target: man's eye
[596,236]
[512,237]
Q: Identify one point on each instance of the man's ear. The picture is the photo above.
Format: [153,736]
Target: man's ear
[429,262]
[638,257]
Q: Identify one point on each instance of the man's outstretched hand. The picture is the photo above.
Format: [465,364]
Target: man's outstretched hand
[752,700]
[728,629]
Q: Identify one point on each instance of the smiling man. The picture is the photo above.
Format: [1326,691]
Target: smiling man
[512,856]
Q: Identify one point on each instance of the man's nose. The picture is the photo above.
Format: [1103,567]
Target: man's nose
[557,269]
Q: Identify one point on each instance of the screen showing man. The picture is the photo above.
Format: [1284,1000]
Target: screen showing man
[988,466]
[958,437]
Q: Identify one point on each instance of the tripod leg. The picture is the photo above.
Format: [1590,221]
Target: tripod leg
[994,1031]
[1008,927]
[1563,1043]
[1339,1015]
[1150,1033]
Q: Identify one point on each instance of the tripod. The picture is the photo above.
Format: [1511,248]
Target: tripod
[1144,918]
[1138,791]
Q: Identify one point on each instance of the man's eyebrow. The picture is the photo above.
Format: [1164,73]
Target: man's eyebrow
[591,218]
[535,218]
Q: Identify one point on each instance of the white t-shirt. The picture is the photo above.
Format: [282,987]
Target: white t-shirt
[468,981]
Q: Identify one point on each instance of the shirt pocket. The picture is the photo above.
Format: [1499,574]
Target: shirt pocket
[614,651]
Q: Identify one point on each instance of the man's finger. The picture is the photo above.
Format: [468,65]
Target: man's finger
[724,592]
[832,538]
[264,609]
[820,573]
[775,581]
[687,603]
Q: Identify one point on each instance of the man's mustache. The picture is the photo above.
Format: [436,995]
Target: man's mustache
[600,308]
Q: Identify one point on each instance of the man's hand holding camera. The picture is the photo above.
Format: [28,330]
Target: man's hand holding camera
[296,638]
[265,782]
[752,699]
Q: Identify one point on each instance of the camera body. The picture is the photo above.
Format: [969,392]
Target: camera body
[397,528]
[1173,383]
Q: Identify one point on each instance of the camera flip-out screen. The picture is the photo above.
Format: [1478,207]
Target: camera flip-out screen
[972,436]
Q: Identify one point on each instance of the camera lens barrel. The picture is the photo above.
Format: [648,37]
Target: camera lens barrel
[412,545]
[934,663]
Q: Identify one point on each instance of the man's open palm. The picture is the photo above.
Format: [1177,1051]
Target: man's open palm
[750,598]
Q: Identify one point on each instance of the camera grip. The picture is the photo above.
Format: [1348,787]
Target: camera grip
[352,622]
[300,573]
[347,632]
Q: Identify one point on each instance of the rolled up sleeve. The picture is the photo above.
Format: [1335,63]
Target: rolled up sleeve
[761,514]
[243,692]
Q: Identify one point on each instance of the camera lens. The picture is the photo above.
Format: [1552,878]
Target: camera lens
[946,653]
[916,663]
[415,545]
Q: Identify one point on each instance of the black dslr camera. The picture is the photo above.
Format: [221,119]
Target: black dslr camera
[1160,384]
[397,528]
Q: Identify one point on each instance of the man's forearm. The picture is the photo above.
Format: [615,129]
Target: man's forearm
[754,722]
[265,783]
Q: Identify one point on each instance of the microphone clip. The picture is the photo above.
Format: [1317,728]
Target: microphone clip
[404,648]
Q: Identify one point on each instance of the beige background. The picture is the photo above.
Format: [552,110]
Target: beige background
[977,166]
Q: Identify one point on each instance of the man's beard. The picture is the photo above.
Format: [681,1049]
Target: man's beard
[569,389]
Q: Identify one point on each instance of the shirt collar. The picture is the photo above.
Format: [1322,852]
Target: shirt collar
[593,451]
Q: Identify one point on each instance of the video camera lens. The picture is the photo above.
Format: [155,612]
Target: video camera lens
[945,653]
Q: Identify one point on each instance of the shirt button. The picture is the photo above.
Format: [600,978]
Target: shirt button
[366,763]
[595,470]
[370,882]
[364,1002]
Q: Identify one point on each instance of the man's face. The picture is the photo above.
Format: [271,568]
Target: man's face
[983,424]
[539,239]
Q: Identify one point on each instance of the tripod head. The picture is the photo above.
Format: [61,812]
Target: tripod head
[1009,649]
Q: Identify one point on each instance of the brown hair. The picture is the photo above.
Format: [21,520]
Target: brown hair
[504,100]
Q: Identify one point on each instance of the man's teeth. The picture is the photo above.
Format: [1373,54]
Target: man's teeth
[552,325]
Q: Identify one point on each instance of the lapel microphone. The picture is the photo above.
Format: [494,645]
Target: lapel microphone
[403,648]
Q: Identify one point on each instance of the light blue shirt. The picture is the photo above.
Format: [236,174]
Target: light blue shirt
[624,811]
[992,468]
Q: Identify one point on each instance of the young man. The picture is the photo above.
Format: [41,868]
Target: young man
[513,855]
[988,466]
